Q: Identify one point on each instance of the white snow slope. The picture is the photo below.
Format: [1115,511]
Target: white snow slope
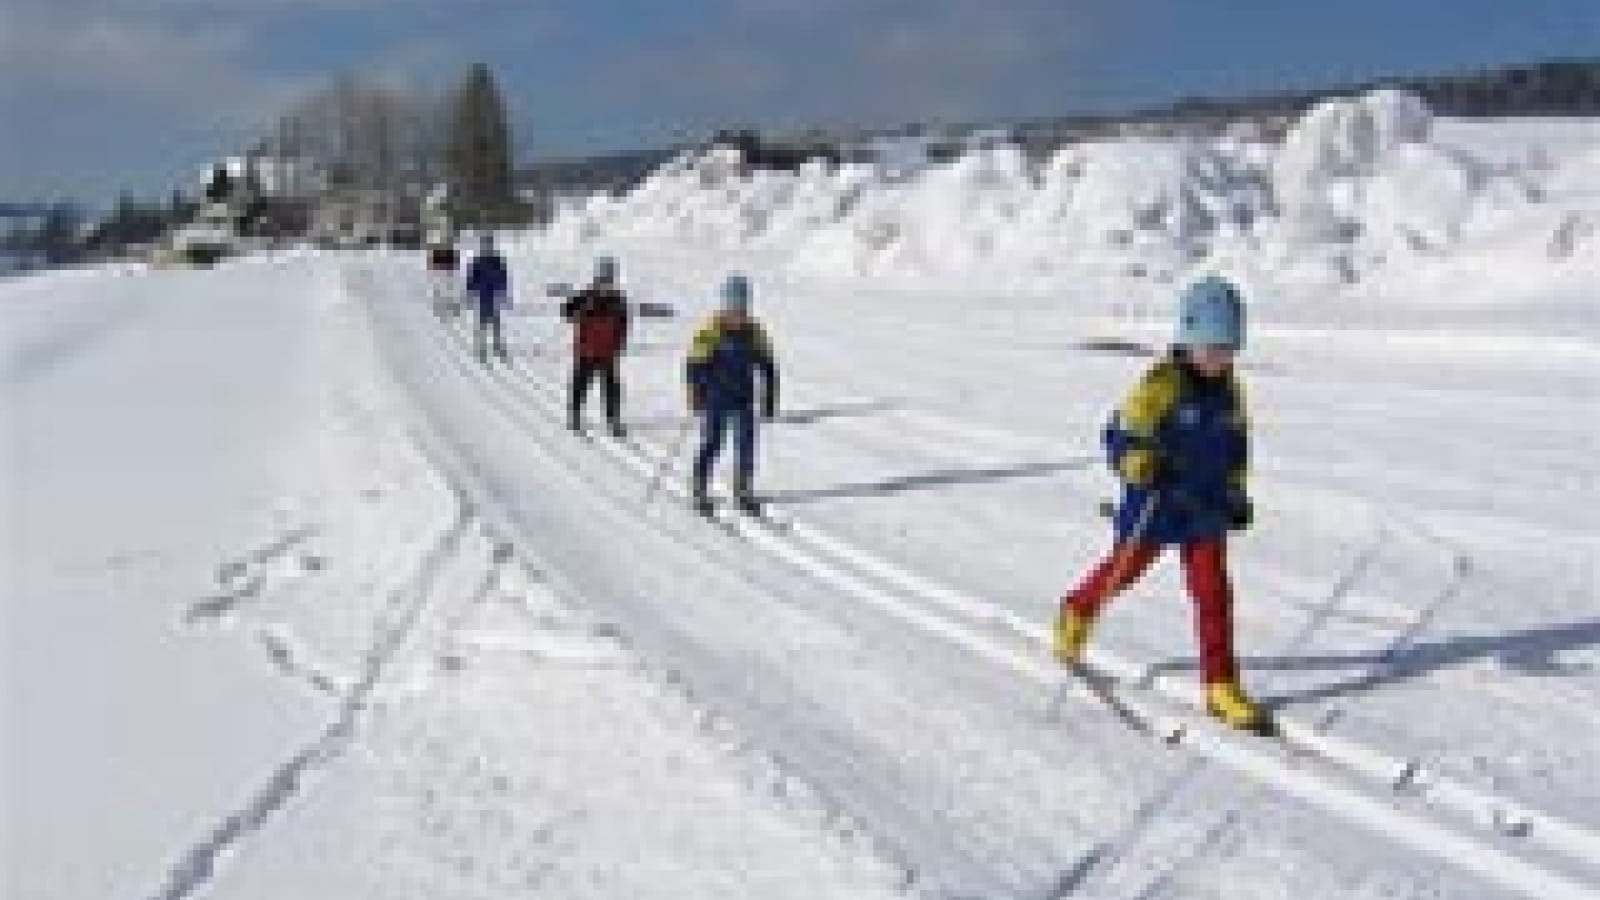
[303,601]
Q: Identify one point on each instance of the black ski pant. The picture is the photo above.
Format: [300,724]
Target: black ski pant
[739,418]
[583,372]
[489,324]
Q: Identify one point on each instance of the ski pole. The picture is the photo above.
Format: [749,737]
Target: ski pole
[667,460]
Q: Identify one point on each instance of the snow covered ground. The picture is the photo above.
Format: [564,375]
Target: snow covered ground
[303,601]
[258,647]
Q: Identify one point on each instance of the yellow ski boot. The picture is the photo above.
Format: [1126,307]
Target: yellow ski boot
[1070,635]
[1227,703]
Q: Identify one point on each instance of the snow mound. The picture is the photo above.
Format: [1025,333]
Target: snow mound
[1357,184]
[1319,169]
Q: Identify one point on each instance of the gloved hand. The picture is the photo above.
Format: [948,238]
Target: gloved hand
[1240,511]
[1143,467]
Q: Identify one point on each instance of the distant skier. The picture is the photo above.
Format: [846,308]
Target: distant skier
[724,358]
[1179,442]
[443,261]
[489,283]
[599,315]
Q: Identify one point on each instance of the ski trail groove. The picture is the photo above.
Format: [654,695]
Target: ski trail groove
[838,815]
[245,578]
[740,744]
[395,622]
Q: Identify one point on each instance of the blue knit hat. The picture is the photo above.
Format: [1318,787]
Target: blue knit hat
[605,268]
[736,293]
[1211,311]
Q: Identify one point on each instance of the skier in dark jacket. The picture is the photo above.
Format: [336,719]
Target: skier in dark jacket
[490,285]
[599,315]
[724,358]
[1179,443]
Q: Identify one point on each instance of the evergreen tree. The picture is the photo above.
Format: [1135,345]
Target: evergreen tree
[478,152]
[57,239]
[178,210]
[118,229]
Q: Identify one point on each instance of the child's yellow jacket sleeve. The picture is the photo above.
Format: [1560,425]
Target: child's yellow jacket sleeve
[1139,415]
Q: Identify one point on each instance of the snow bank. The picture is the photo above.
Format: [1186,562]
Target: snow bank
[1357,185]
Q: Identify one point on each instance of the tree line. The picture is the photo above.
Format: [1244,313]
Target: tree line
[359,137]
[353,142]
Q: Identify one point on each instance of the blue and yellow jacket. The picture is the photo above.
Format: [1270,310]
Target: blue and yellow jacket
[1183,438]
[722,366]
[488,280]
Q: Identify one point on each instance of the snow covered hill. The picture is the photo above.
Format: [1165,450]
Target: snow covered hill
[1365,190]
[303,601]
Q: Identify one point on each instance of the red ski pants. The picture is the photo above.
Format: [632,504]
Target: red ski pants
[1205,570]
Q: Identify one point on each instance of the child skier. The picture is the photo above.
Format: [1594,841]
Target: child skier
[724,357]
[1179,443]
[442,263]
[599,315]
[488,282]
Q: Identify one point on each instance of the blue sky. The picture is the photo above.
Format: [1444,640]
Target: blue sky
[98,95]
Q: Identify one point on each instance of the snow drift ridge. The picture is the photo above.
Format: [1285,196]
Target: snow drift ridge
[1356,184]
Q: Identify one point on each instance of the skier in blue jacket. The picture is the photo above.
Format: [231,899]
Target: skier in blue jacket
[490,285]
[724,358]
[1179,442]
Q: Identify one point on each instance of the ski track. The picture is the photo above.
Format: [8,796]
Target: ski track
[243,580]
[771,772]
[845,813]
[394,625]
[562,638]
[1434,815]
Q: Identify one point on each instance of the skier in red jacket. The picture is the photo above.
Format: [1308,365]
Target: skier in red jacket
[599,315]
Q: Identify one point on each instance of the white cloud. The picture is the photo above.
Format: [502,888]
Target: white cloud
[93,61]
[109,99]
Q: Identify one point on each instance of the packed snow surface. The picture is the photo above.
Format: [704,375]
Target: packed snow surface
[302,600]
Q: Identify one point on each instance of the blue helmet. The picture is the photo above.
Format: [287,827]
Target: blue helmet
[736,293]
[605,268]
[1211,311]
